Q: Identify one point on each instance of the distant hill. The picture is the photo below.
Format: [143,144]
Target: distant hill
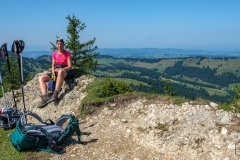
[191,77]
[147,53]
[193,73]
[35,54]
[153,53]
[32,66]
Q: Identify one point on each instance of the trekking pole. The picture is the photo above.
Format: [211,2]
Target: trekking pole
[17,47]
[5,102]
[4,47]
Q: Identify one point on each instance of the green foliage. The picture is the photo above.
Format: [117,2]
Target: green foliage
[178,100]
[236,94]
[168,87]
[227,107]
[163,127]
[14,71]
[83,54]
[111,87]
[100,87]
[187,79]
[235,102]
[84,110]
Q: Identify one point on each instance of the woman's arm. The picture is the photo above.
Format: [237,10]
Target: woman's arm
[69,67]
[53,64]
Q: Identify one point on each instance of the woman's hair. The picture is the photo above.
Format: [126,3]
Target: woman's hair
[59,40]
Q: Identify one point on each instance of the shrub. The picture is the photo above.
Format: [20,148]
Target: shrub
[111,87]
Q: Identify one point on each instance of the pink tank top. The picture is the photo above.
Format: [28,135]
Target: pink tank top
[61,58]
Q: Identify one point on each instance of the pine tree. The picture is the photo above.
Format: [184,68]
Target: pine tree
[168,87]
[83,54]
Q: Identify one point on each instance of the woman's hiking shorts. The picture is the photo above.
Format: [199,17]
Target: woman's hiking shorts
[69,74]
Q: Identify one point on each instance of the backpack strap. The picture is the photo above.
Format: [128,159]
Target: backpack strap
[51,147]
[78,132]
[51,122]
[23,118]
[73,121]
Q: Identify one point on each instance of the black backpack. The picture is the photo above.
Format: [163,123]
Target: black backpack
[9,117]
[45,137]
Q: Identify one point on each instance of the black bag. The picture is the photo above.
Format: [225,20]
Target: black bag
[9,117]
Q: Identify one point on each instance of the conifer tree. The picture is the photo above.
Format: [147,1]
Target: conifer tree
[83,54]
[168,90]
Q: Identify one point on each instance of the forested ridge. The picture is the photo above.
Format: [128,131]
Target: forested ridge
[205,74]
[188,79]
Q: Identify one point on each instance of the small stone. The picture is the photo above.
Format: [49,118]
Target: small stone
[224,130]
[212,104]
[124,121]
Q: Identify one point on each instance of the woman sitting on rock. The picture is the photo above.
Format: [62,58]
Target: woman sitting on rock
[61,68]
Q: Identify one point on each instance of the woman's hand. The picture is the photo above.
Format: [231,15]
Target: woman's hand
[58,69]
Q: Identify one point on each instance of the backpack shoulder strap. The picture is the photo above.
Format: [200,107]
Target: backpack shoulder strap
[23,117]
[72,122]
[51,147]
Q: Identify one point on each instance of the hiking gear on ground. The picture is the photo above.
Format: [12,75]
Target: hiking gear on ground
[52,83]
[4,48]
[44,101]
[9,117]
[4,98]
[54,96]
[45,137]
[17,47]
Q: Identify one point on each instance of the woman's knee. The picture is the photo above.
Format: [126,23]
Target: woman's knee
[40,79]
[62,74]
[43,78]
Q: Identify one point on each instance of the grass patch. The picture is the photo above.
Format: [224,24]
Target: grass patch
[225,107]
[176,100]
[103,90]
[7,151]
[163,127]
[132,81]
[179,100]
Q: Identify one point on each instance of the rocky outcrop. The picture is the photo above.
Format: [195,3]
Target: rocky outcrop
[139,128]
[69,98]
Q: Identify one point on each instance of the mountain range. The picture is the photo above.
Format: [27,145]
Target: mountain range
[148,53]
[193,73]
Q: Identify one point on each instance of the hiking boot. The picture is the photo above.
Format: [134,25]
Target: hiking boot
[44,101]
[54,97]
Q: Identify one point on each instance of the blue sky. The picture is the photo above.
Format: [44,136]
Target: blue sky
[184,24]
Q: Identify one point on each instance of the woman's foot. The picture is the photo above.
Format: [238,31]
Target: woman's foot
[44,101]
[54,97]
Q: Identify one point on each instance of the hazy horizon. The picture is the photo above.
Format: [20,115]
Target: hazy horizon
[48,48]
[187,24]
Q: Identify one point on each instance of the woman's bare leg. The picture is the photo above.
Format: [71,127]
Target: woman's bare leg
[42,83]
[61,75]
[43,89]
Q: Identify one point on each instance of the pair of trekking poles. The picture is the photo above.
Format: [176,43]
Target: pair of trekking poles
[8,115]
